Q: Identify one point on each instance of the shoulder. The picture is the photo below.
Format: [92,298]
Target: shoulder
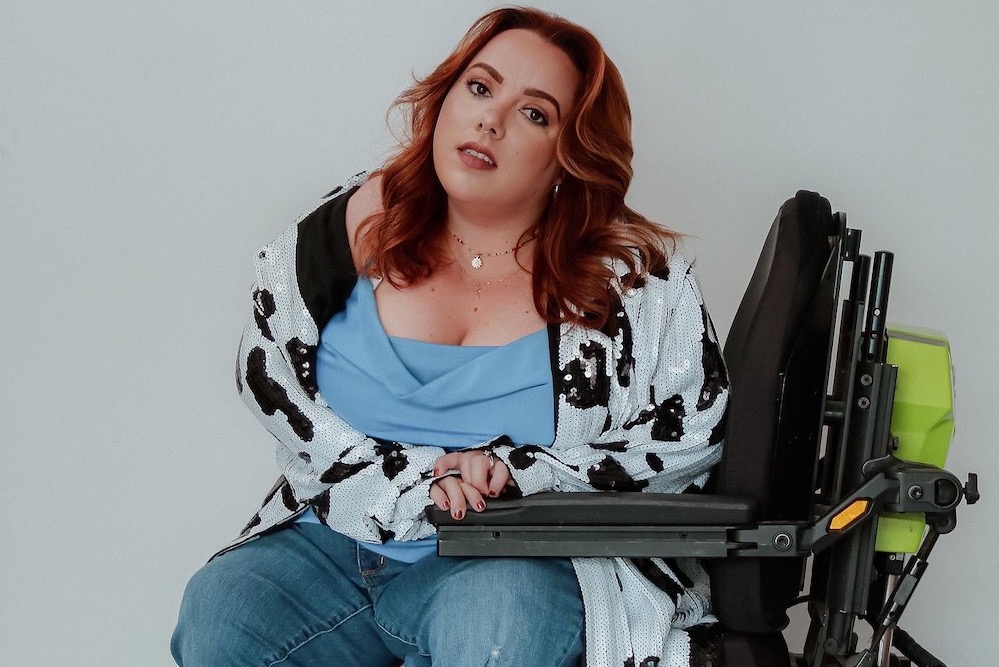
[664,304]
[673,279]
[365,202]
[677,288]
[324,216]
[313,255]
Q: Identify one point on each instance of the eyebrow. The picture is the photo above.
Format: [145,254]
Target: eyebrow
[533,92]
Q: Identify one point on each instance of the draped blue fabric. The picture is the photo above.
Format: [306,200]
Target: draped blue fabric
[416,392]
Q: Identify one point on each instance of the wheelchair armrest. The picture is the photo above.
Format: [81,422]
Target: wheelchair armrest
[600,524]
[608,508]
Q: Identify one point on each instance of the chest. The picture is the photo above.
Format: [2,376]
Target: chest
[452,307]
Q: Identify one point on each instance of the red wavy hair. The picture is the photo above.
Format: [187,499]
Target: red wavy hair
[584,225]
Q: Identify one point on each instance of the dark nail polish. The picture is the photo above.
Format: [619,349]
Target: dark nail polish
[493,494]
[447,505]
[480,506]
[458,515]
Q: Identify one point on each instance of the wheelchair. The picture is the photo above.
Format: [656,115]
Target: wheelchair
[837,431]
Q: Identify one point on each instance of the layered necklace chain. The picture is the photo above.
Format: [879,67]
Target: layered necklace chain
[476,261]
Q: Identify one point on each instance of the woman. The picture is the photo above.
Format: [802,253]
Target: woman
[482,317]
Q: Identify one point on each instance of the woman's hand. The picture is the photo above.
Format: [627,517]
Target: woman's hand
[482,474]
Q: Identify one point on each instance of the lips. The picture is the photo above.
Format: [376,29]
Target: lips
[477,156]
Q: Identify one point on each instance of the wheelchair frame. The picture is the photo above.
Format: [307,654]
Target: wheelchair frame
[846,478]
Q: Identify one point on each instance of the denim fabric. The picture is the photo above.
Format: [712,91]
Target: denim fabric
[306,595]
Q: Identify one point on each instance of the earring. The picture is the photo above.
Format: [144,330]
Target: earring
[555,189]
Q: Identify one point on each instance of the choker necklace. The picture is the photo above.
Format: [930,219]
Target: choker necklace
[476,261]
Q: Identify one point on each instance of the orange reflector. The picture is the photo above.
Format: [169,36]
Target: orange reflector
[853,511]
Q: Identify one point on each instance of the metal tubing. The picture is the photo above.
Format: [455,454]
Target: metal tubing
[875,339]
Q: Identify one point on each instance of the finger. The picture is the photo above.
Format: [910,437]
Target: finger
[455,496]
[475,471]
[499,479]
[450,461]
[439,497]
[473,497]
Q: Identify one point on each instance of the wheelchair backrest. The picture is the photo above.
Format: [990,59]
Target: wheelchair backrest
[778,353]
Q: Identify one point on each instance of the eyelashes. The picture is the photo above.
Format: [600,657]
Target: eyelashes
[533,114]
[477,88]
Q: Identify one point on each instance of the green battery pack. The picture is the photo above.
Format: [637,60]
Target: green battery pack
[922,419]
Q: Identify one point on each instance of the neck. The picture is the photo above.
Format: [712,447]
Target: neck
[485,232]
[486,261]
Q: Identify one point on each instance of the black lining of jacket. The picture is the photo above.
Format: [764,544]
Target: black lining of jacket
[324,263]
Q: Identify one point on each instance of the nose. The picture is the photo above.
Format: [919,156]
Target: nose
[490,123]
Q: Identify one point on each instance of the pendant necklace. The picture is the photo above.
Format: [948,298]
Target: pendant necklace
[476,261]
[479,283]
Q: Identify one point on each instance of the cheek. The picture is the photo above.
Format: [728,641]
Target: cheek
[541,154]
[442,120]
[443,129]
[538,166]
[450,110]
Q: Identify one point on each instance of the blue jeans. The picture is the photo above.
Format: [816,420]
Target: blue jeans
[306,595]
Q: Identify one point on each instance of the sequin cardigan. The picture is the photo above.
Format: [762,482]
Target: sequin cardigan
[639,406]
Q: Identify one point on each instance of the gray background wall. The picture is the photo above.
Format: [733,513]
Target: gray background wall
[148,149]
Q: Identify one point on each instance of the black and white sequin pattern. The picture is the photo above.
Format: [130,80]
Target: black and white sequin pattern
[640,406]
[585,383]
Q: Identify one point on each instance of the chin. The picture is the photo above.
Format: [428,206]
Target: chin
[462,186]
[468,194]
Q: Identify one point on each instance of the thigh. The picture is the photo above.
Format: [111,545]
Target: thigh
[291,597]
[490,611]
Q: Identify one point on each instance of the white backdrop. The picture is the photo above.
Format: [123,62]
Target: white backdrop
[148,149]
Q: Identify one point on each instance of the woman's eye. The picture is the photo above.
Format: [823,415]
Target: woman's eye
[536,116]
[477,88]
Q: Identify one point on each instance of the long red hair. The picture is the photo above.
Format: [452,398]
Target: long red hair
[582,227]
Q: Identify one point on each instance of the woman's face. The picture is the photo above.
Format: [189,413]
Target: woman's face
[494,142]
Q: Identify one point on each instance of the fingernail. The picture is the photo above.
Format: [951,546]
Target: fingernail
[493,494]
[480,506]
[459,514]
[447,505]
[437,472]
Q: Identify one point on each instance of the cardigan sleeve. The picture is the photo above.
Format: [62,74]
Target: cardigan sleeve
[660,387]
[365,488]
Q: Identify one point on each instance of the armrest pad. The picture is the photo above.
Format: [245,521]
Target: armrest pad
[608,508]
